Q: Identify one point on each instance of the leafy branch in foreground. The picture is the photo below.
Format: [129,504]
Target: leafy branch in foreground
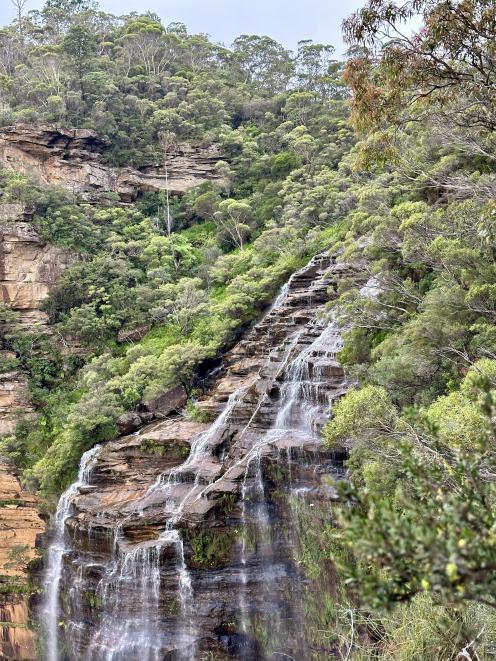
[437,532]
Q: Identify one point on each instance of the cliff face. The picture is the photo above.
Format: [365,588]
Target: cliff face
[181,539]
[20,525]
[73,158]
[15,402]
[29,267]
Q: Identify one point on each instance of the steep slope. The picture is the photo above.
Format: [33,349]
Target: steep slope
[29,268]
[180,539]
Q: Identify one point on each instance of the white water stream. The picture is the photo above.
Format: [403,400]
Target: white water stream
[124,634]
[56,553]
[304,404]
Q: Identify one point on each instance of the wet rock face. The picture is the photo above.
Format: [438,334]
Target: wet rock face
[183,541]
[20,525]
[73,158]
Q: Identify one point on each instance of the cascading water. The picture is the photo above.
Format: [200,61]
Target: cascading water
[139,634]
[305,388]
[56,552]
[126,633]
[148,599]
[305,400]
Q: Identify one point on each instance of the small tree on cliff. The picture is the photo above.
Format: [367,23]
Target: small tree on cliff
[235,222]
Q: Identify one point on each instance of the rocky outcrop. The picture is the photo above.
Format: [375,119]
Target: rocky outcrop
[15,402]
[182,542]
[73,158]
[167,402]
[20,525]
[29,266]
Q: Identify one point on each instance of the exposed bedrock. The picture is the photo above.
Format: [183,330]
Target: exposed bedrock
[73,158]
[29,267]
[20,525]
[182,538]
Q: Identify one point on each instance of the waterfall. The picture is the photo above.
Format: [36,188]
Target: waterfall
[304,387]
[148,598]
[56,552]
[128,633]
[129,593]
[304,403]
[138,574]
[200,448]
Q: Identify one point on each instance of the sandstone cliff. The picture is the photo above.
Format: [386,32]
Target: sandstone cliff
[29,267]
[20,524]
[74,158]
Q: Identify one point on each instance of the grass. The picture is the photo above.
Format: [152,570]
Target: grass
[161,337]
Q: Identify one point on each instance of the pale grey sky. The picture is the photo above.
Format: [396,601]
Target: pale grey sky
[288,21]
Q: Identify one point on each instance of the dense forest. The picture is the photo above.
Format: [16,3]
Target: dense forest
[386,159]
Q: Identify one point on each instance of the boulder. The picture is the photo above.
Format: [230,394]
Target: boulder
[167,402]
[133,334]
[129,422]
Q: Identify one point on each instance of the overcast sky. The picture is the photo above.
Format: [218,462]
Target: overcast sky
[288,21]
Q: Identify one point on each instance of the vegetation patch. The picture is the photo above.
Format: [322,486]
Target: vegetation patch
[211,548]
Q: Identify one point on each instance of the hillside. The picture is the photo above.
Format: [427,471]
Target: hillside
[250,294]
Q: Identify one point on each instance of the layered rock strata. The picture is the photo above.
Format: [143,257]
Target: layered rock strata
[183,540]
[20,525]
[29,267]
[73,158]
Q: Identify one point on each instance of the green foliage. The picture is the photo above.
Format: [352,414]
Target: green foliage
[417,523]
[211,548]
[150,300]
[437,534]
